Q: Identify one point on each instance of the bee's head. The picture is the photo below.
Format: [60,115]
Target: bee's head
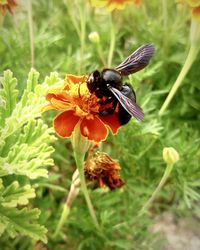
[93,81]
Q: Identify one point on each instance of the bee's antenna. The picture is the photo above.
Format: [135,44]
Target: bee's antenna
[79,93]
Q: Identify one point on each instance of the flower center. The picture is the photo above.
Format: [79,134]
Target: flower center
[84,102]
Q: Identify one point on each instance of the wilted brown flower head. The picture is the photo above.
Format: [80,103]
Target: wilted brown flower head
[7,5]
[104,169]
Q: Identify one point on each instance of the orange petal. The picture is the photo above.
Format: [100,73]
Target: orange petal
[93,129]
[47,107]
[58,104]
[101,182]
[59,91]
[61,95]
[75,79]
[59,101]
[65,122]
[112,121]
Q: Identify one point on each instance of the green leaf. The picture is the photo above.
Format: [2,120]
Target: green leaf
[22,221]
[29,107]
[32,81]
[8,95]
[52,79]
[27,164]
[14,195]
[34,139]
[36,132]
[24,150]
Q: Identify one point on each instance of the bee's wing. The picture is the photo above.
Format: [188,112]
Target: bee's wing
[129,105]
[137,60]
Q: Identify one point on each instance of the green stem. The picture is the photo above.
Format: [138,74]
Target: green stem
[1,21]
[79,23]
[112,42]
[74,191]
[73,18]
[164,11]
[79,158]
[31,34]
[157,190]
[64,215]
[188,63]
[82,36]
[100,53]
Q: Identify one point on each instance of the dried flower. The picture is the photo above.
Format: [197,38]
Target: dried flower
[114,4]
[104,169]
[80,108]
[7,5]
[170,155]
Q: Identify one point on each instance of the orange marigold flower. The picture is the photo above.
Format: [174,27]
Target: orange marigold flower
[7,5]
[80,107]
[104,169]
[114,4]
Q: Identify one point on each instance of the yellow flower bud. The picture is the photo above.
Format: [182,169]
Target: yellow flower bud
[94,37]
[170,155]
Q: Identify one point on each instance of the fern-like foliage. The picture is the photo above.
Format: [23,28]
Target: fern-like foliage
[25,151]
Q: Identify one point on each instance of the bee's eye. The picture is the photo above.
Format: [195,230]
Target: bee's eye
[91,83]
[90,79]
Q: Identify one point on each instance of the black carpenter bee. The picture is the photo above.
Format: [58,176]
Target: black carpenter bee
[109,84]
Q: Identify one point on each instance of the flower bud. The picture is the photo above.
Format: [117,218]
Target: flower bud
[170,155]
[94,37]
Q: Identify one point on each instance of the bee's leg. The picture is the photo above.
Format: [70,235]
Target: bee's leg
[107,101]
[110,110]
